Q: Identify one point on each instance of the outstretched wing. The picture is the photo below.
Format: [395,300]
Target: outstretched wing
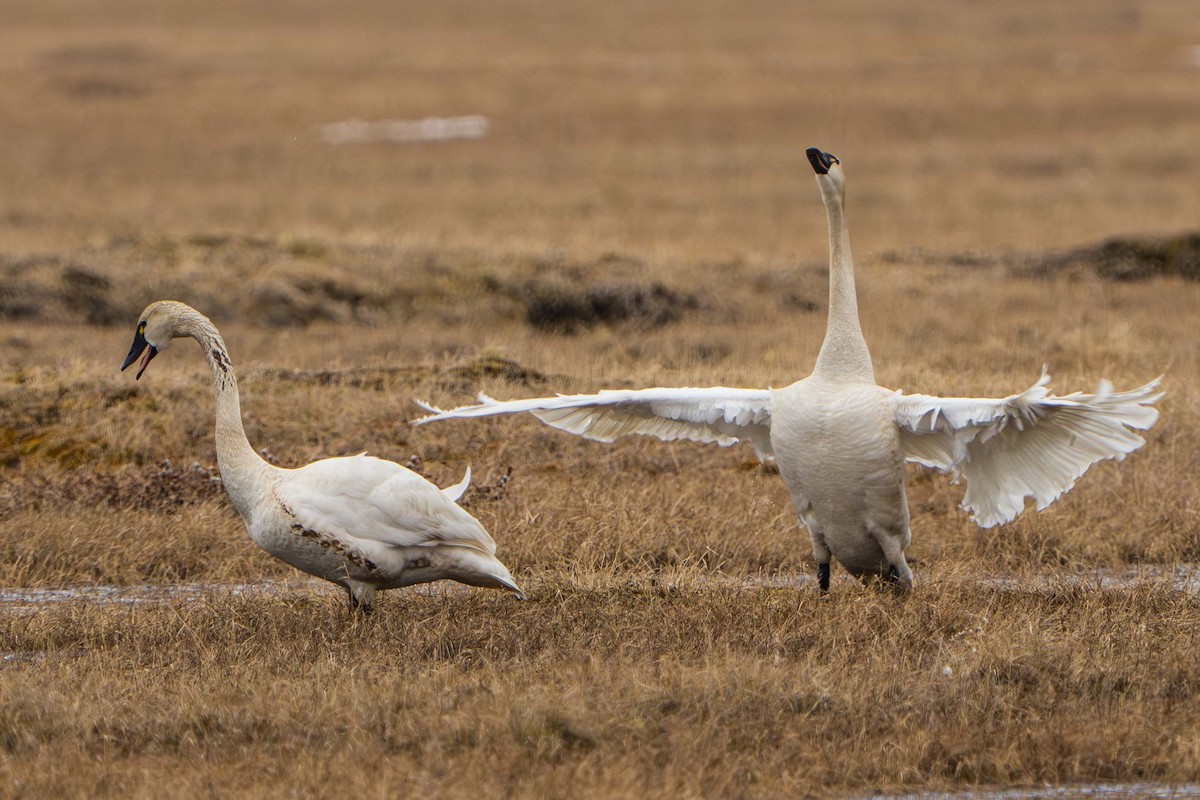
[370,498]
[720,415]
[1031,444]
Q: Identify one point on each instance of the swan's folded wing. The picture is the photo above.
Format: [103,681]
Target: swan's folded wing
[718,414]
[370,498]
[1031,444]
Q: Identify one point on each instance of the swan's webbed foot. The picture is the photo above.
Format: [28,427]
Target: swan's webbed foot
[896,579]
[359,607]
[823,577]
[361,597]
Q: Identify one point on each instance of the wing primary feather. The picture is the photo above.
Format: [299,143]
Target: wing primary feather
[1032,444]
[719,415]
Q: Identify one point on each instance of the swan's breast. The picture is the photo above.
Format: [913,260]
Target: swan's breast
[838,447]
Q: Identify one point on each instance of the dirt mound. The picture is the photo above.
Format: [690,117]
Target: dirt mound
[166,488]
[1131,258]
[563,308]
[1123,258]
[293,283]
[296,301]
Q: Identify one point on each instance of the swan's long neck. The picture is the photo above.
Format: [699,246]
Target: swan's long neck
[244,472]
[844,353]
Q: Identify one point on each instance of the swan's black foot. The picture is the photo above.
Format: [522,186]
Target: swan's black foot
[895,581]
[823,577]
[360,608]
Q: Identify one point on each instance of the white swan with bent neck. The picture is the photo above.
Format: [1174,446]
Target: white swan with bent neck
[360,522]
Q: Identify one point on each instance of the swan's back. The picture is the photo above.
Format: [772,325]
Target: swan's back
[369,498]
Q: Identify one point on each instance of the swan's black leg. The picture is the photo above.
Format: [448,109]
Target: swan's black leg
[362,596]
[358,607]
[823,576]
[895,579]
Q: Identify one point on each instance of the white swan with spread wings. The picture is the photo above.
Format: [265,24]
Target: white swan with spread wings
[841,440]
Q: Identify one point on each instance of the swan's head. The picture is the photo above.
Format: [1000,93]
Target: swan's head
[830,177]
[158,325]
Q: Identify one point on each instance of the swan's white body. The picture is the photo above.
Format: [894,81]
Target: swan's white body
[360,522]
[841,440]
[839,452]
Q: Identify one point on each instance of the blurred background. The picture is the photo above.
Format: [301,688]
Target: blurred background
[607,193]
[663,129]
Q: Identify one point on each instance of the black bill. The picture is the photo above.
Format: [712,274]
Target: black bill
[139,344]
[821,162]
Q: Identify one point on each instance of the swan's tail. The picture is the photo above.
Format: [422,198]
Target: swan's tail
[467,565]
[481,569]
[456,491]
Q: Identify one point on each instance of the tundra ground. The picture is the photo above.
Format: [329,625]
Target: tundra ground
[639,213]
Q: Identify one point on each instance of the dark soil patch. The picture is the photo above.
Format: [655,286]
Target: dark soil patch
[1131,258]
[567,309]
[165,488]
[382,379]
[1121,258]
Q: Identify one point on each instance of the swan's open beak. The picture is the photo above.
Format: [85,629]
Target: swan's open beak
[821,162]
[139,344]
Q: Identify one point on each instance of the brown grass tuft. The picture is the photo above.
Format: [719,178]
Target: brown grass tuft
[967,685]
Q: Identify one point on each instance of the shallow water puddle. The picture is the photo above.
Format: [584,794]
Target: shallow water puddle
[14,659]
[1108,791]
[19,599]
[1182,578]
[28,600]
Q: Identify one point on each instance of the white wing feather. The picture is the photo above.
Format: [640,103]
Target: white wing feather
[370,498]
[456,491]
[719,415]
[1031,444]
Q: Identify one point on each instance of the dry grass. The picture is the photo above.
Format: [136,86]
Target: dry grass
[639,214]
[616,689]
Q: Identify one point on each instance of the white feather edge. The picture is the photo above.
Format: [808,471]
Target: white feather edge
[718,415]
[456,491]
[1032,444]
[1029,444]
